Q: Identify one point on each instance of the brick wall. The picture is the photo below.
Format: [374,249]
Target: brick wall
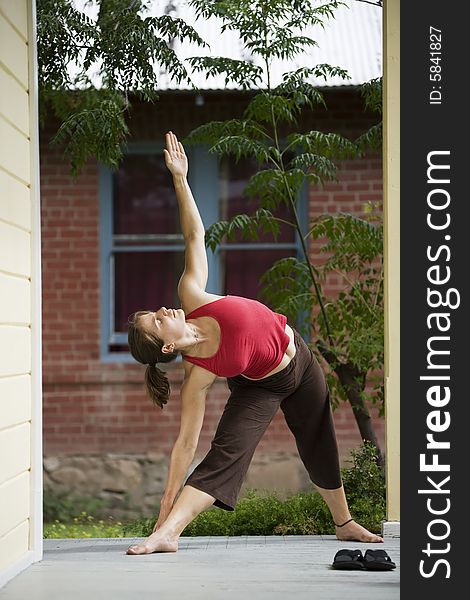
[91,407]
[359,182]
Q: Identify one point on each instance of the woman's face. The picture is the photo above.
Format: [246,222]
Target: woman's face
[168,324]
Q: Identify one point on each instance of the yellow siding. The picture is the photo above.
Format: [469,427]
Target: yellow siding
[14,102]
[16,13]
[14,444]
[391,152]
[15,300]
[13,52]
[14,151]
[15,401]
[19,223]
[15,203]
[14,500]
[13,544]
[15,350]
[15,251]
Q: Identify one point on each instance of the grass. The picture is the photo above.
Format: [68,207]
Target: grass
[84,526]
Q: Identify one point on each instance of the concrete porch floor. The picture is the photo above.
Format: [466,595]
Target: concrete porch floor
[206,568]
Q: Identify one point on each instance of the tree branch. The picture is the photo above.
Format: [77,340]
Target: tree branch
[379,3]
[352,286]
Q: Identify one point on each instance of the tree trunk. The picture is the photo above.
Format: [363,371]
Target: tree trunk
[353,383]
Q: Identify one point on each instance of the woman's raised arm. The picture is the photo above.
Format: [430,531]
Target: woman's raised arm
[195,273]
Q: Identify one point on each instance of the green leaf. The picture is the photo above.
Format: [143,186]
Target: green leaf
[305,14]
[209,133]
[274,186]
[371,139]
[269,186]
[282,45]
[241,146]
[240,72]
[176,28]
[321,166]
[286,287]
[249,226]
[94,132]
[215,233]
[301,92]
[294,79]
[264,107]
[352,240]
[371,91]
[331,145]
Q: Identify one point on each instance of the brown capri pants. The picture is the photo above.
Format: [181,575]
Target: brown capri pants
[301,391]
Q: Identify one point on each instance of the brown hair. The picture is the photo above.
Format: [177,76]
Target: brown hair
[146,348]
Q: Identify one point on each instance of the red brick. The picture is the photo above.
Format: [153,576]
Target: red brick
[333,186]
[357,186]
[370,175]
[343,197]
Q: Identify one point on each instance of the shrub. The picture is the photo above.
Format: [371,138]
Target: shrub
[364,485]
[64,506]
[300,514]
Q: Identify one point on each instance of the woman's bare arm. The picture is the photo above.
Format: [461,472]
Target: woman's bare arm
[193,402]
[177,163]
[194,278]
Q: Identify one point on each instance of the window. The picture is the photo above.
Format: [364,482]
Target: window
[243,262]
[142,249]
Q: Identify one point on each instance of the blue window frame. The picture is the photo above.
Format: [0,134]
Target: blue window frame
[125,250]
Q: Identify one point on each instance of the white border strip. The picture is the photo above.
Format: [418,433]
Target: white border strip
[36,522]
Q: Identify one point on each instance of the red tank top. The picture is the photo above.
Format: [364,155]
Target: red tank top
[252,337]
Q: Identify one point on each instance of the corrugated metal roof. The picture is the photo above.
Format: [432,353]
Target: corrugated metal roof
[352,41]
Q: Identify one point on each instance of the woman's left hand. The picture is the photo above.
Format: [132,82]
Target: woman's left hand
[175,157]
[165,510]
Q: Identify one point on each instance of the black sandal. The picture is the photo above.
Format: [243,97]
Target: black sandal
[378,560]
[348,560]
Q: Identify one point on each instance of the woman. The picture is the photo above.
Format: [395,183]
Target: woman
[267,365]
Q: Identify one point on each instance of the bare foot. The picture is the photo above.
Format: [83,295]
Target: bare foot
[355,532]
[154,543]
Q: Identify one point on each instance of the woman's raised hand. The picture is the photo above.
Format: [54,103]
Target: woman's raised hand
[175,157]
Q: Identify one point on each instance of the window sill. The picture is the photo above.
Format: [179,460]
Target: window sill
[126,358]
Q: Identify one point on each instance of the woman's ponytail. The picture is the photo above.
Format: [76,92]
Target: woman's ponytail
[157,385]
[146,348]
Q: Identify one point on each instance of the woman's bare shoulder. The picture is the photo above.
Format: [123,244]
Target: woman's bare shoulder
[197,377]
[197,299]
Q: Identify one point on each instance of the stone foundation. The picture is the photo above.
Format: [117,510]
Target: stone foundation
[132,485]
